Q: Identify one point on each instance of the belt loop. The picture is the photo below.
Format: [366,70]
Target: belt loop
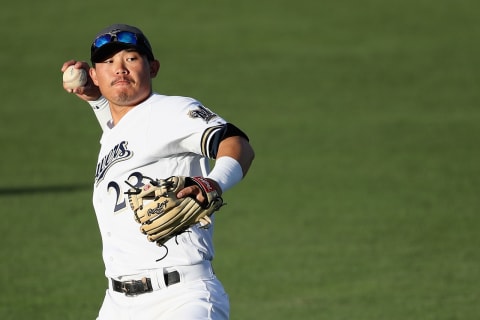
[159,279]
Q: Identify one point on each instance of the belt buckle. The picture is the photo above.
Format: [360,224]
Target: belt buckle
[135,287]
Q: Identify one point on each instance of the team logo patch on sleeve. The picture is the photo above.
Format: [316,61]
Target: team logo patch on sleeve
[202,113]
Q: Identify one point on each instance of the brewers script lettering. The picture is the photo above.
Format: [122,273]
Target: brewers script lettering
[119,153]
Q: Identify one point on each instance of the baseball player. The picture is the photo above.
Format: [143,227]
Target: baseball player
[148,136]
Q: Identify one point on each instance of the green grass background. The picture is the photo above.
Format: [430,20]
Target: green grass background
[363,201]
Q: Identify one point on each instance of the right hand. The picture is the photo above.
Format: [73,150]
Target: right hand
[89,92]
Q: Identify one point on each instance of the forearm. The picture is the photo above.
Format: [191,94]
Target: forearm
[234,158]
[239,149]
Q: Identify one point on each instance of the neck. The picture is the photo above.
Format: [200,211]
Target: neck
[118,112]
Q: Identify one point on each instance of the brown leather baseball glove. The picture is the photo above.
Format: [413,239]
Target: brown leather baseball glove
[162,215]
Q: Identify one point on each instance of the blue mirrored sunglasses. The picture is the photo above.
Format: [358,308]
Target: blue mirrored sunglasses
[121,36]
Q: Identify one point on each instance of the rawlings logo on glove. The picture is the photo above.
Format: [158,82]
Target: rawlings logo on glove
[163,215]
[159,210]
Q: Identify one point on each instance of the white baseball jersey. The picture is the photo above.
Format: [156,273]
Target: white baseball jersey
[161,137]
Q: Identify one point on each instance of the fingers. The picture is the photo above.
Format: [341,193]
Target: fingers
[67,64]
[76,64]
[89,92]
[192,191]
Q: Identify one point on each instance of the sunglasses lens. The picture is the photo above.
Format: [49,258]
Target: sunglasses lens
[100,41]
[127,37]
[123,36]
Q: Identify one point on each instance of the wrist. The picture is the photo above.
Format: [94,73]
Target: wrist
[226,173]
[215,185]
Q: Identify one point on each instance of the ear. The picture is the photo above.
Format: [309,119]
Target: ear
[154,67]
[93,75]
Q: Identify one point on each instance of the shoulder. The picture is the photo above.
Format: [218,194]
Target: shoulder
[176,101]
[189,107]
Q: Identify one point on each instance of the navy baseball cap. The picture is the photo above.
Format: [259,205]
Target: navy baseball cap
[117,37]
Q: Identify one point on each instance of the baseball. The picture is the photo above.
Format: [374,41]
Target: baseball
[74,78]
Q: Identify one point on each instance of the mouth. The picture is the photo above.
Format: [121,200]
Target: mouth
[121,81]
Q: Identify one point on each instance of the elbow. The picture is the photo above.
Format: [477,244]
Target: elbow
[248,157]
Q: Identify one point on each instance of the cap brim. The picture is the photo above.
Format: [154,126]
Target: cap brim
[109,49]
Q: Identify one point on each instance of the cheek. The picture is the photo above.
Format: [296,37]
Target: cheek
[93,76]
[101,80]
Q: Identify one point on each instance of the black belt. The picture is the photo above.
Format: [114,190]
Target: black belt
[135,287]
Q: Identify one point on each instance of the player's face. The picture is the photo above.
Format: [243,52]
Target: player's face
[125,79]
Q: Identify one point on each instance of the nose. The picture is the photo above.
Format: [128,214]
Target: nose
[120,68]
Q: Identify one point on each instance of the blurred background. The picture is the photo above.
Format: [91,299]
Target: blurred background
[362,202]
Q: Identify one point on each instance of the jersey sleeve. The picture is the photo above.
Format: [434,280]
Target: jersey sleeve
[184,125]
[212,131]
[102,113]
[212,137]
